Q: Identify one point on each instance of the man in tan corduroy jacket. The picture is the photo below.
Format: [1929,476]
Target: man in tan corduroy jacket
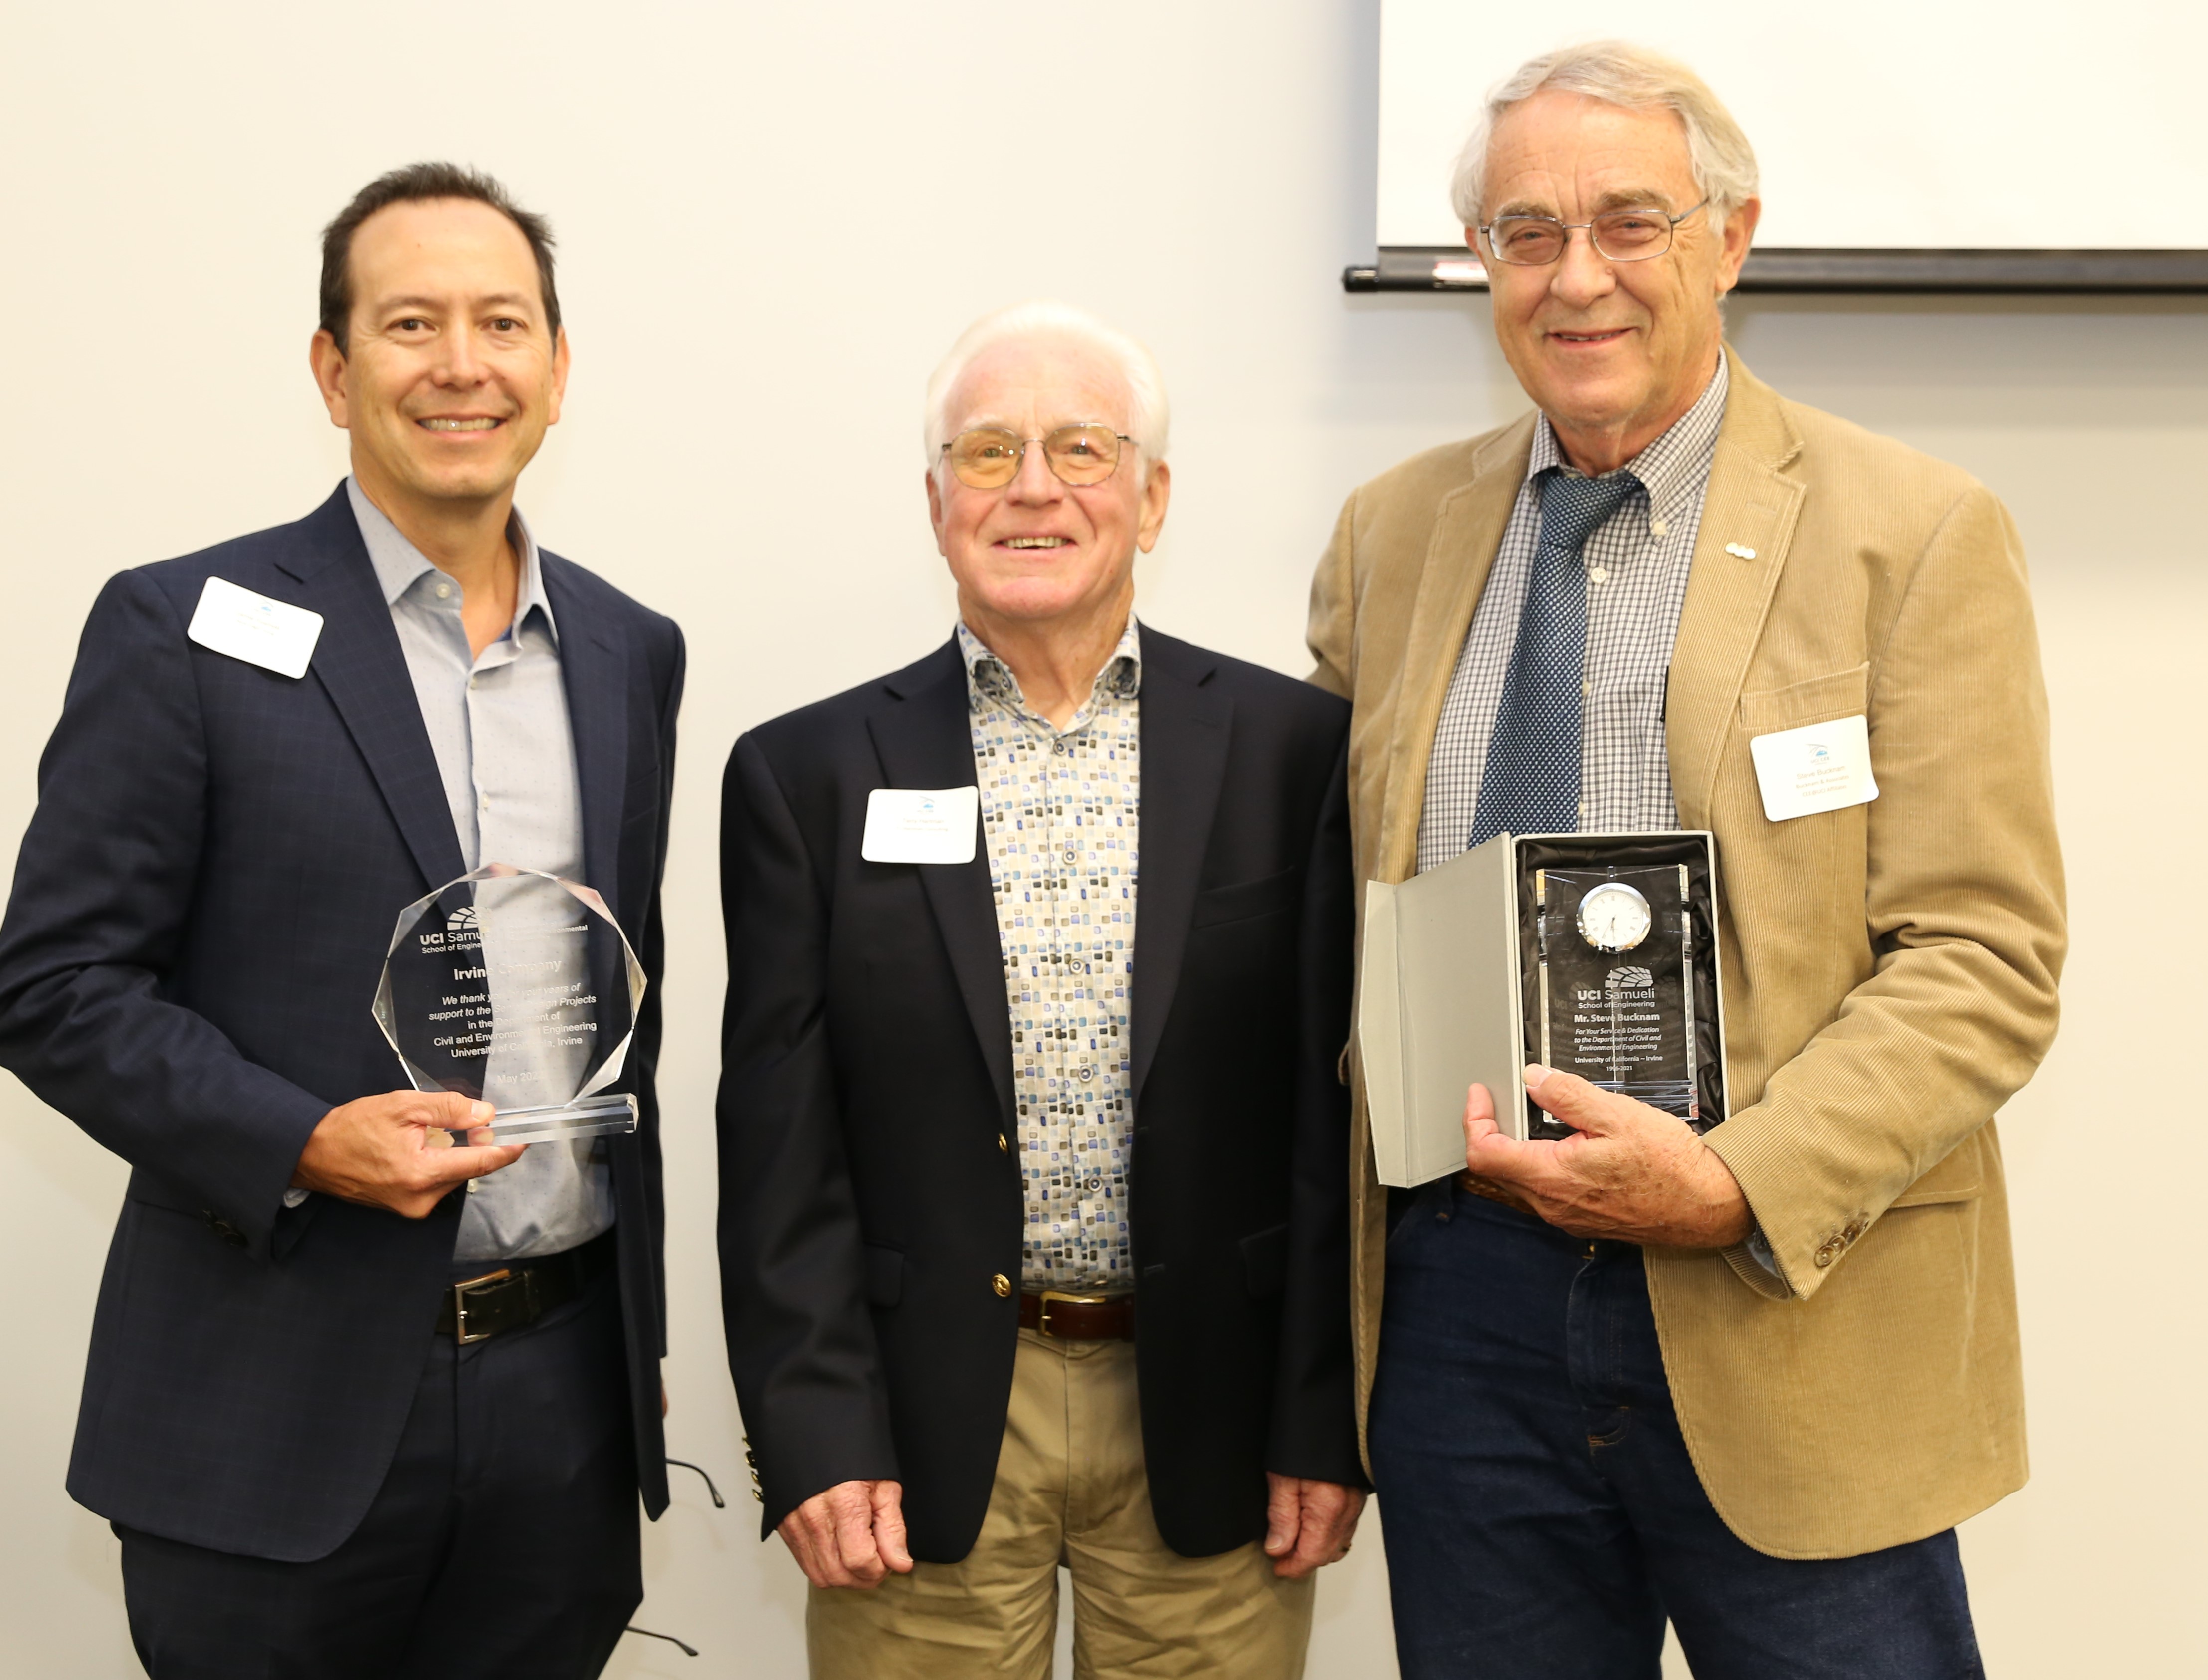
[1749,1381]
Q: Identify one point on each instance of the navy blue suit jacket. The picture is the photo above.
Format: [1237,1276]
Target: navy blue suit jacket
[201,910]
[869,1196]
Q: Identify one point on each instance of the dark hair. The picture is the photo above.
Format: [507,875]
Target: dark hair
[415,183]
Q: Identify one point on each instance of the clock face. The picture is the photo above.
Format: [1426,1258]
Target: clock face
[1614,917]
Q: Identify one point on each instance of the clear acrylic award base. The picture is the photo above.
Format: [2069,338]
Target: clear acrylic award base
[586,1117]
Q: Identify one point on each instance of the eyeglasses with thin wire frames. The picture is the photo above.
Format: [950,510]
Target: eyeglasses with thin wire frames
[1630,235]
[987,458]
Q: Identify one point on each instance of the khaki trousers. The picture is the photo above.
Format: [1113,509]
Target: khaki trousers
[1071,1490]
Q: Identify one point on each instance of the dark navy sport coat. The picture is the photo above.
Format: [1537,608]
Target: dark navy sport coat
[871,1204]
[200,914]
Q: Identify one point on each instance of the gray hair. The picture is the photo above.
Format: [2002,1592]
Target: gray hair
[1621,73]
[1147,418]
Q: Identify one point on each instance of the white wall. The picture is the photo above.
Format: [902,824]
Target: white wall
[741,450]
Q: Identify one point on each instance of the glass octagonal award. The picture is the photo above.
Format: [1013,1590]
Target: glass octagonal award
[518,989]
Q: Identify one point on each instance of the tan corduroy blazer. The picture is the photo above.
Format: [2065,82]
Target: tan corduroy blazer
[1889,969]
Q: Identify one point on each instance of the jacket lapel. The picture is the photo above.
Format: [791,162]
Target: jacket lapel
[1186,732]
[924,740]
[359,663]
[1467,530]
[1750,506]
[594,672]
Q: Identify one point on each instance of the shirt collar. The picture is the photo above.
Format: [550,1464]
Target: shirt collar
[399,566]
[1674,466]
[987,676]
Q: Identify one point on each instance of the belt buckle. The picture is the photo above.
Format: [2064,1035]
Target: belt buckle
[1043,1301]
[460,1333]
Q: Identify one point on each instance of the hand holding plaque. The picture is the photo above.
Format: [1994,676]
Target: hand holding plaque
[518,989]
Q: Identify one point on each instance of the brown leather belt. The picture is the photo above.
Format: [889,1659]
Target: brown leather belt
[515,1297]
[1493,1192]
[1078,1317]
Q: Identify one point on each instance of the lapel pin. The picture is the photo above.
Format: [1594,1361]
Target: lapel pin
[1742,549]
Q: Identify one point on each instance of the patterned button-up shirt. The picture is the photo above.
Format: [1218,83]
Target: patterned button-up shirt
[1636,580]
[1060,815]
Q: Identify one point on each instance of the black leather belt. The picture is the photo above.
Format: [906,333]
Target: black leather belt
[515,1297]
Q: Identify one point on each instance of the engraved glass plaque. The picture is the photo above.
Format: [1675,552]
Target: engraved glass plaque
[1617,1008]
[1619,957]
[1595,953]
[518,989]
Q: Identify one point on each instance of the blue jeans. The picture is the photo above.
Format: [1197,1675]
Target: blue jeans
[1541,1512]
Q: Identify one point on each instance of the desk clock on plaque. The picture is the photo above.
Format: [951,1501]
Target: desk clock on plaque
[1593,953]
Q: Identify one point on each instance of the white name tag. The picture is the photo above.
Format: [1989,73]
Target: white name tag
[1818,767]
[274,634]
[915,825]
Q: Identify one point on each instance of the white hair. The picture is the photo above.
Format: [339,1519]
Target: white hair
[1146,415]
[1621,73]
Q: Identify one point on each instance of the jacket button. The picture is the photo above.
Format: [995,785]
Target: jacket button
[1002,1285]
[1003,1146]
[1827,1254]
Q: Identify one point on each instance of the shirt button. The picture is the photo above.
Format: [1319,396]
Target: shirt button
[444,591]
[1002,1285]
[1086,1073]
[1586,689]
[1093,1184]
[1600,575]
[1658,528]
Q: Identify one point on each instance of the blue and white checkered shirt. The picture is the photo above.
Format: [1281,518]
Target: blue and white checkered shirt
[1636,571]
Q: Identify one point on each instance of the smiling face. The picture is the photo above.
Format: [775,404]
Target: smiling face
[450,373]
[1612,352]
[1038,551]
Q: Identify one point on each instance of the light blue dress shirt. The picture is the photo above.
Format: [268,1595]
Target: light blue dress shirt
[498,723]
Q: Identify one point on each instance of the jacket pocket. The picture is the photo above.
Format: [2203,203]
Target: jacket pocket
[884,1276]
[1816,701]
[1956,1179]
[1242,900]
[1265,1261]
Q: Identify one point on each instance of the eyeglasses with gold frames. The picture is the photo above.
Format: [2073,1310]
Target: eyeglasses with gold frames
[987,458]
[1633,235]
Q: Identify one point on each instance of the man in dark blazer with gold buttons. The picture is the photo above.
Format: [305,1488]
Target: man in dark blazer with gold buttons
[1034,1149]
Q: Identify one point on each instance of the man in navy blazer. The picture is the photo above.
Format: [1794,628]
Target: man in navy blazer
[1034,1159]
[367,1394]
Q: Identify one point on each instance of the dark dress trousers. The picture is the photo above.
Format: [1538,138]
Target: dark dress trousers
[200,915]
[869,1202]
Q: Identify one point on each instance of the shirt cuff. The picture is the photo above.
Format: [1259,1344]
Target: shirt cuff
[1759,1251]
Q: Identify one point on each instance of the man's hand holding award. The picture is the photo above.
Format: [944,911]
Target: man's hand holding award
[509,997]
